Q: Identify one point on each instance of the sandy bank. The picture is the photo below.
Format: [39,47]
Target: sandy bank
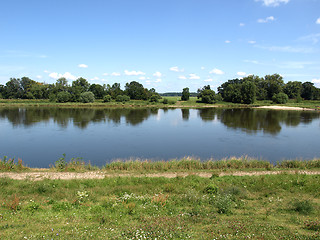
[285,108]
[36,176]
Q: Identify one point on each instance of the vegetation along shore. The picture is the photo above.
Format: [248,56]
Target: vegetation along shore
[141,200]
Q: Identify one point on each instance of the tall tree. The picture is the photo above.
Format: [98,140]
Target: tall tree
[185,94]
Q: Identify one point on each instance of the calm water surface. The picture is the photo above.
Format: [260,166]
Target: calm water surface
[41,135]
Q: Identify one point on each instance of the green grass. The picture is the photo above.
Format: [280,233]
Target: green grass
[193,102]
[256,207]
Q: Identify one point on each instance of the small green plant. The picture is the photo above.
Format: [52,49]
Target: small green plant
[82,196]
[211,189]
[303,207]
[223,203]
[61,163]
[32,206]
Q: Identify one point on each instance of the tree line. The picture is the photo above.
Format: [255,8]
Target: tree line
[79,90]
[251,88]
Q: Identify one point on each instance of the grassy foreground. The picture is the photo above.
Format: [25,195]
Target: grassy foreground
[258,207]
[173,102]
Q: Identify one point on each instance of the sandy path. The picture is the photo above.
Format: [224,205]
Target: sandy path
[285,108]
[36,176]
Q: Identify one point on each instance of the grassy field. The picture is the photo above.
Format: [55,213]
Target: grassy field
[173,102]
[257,207]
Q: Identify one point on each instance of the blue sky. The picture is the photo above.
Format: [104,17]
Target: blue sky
[165,44]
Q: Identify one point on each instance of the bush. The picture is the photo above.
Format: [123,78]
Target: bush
[107,98]
[223,203]
[154,98]
[63,97]
[165,101]
[122,98]
[87,97]
[280,98]
[211,189]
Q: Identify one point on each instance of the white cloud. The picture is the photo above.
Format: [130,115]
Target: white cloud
[133,73]
[208,80]
[318,21]
[46,71]
[66,75]
[268,19]
[142,78]
[39,76]
[157,74]
[242,74]
[252,61]
[272,3]
[314,38]
[252,42]
[227,41]
[116,74]
[158,80]
[241,24]
[105,74]
[176,69]
[217,71]
[94,79]
[82,65]
[316,82]
[287,49]
[202,68]
[193,76]
[182,77]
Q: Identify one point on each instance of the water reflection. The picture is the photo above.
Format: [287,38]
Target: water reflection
[254,120]
[249,120]
[80,117]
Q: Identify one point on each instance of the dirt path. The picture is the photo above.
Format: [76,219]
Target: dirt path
[36,176]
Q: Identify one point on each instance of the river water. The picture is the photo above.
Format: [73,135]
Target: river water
[39,136]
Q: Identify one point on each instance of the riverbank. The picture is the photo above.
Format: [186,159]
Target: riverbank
[175,103]
[281,206]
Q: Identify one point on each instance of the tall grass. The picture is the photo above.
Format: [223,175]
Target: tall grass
[9,164]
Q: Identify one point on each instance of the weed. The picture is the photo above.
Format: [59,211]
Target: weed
[14,203]
[312,225]
[304,206]
[223,203]
[211,189]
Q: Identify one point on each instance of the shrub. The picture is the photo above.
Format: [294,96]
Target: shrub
[122,98]
[280,98]
[211,189]
[107,98]
[154,98]
[52,97]
[165,101]
[63,97]
[87,97]
[223,203]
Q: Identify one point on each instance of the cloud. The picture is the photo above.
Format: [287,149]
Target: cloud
[133,73]
[105,74]
[208,80]
[268,19]
[241,24]
[289,49]
[39,76]
[142,78]
[83,66]
[66,75]
[116,74]
[182,77]
[318,21]
[175,69]
[94,79]
[272,3]
[202,68]
[193,76]
[252,42]
[227,41]
[157,74]
[217,71]
[46,71]
[241,74]
[158,80]
[314,38]
[252,61]
[316,82]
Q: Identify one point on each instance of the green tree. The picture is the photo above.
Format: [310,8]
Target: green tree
[136,91]
[248,92]
[206,94]
[97,90]
[114,90]
[81,83]
[13,88]
[63,97]
[309,91]
[185,94]
[293,89]
[274,84]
